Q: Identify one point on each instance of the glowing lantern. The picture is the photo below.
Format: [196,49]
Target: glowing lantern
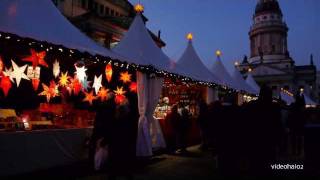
[120,97]
[249,70]
[133,87]
[1,66]
[5,85]
[50,92]
[103,94]
[76,86]
[108,72]
[8,72]
[125,77]
[18,73]
[236,63]
[35,84]
[64,79]
[218,53]
[81,73]
[190,36]
[56,69]
[97,83]
[139,8]
[89,97]
[37,58]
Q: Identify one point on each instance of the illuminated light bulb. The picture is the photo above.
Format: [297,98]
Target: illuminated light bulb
[139,8]
[190,36]
[218,53]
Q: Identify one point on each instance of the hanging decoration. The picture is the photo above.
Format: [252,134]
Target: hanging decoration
[1,66]
[56,68]
[133,87]
[119,95]
[89,97]
[85,84]
[34,75]
[81,73]
[103,94]
[97,83]
[75,86]
[64,79]
[109,72]
[5,85]
[35,84]
[36,58]
[8,72]
[50,92]
[18,72]
[125,77]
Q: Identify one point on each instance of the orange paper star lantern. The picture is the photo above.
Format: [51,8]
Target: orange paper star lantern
[133,87]
[1,66]
[50,91]
[76,86]
[103,94]
[108,72]
[36,58]
[89,97]
[5,85]
[125,77]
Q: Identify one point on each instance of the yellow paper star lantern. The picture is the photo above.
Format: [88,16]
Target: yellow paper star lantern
[64,79]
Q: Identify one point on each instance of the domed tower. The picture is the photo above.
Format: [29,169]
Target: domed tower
[268,34]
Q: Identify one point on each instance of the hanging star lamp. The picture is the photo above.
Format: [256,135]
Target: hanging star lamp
[125,77]
[56,68]
[85,84]
[119,95]
[103,94]
[97,83]
[8,72]
[133,87]
[50,91]
[108,72]
[36,58]
[18,73]
[5,85]
[76,86]
[81,73]
[89,97]
[1,66]
[64,79]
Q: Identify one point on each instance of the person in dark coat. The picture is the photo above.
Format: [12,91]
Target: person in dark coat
[104,114]
[121,142]
[203,124]
[263,129]
[173,118]
[183,128]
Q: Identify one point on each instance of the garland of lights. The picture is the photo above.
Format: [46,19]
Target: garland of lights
[89,59]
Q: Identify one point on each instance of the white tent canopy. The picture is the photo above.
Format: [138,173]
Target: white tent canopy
[237,77]
[194,66]
[42,21]
[220,71]
[253,84]
[138,46]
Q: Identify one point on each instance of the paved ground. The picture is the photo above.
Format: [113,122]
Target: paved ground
[194,165]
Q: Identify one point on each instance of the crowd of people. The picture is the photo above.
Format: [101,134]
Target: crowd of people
[247,138]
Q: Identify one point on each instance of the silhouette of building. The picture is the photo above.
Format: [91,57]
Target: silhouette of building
[105,21]
[270,62]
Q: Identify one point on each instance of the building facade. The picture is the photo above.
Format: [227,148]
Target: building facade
[105,21]
[270,62]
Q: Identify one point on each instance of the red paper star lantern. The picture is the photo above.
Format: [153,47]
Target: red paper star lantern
[120,97]
[37,58]
[133,87]
[75,86]
[89,97]
[5,85]
[108,72]
[125,77]
[35,83]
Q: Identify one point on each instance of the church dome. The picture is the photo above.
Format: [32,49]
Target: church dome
[264,6]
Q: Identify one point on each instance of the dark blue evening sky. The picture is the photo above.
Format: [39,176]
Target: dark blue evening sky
[224,25]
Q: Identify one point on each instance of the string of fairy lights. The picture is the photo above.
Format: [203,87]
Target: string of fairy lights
[88,60]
